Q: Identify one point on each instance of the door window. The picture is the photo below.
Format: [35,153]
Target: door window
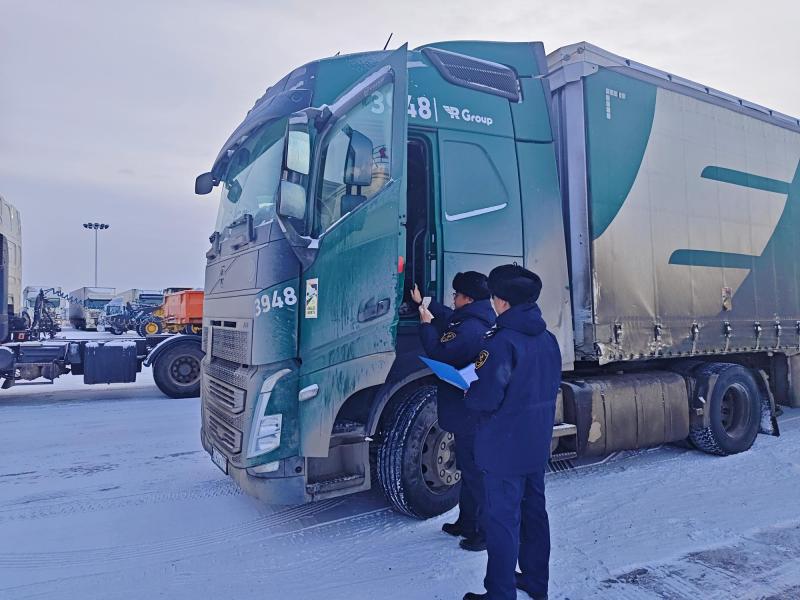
[371,118]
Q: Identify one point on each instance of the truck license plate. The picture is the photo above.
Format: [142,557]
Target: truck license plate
[219,460]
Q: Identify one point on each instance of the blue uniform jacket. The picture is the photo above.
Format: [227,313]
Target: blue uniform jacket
[519,371]
[455,337]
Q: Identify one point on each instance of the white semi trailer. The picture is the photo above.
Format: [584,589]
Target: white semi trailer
[86,305]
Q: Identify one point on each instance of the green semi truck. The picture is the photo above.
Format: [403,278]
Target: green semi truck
[661,214]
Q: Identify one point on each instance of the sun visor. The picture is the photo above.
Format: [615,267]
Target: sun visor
[267,109]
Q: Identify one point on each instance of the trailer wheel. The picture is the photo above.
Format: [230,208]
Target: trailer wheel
[734,412]
[192,329]
[152,326]
[177,370]
[416,461]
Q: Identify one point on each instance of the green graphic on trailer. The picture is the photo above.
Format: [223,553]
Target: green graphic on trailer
[777,258]
[619,116]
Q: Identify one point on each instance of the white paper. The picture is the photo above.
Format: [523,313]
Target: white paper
[468,373]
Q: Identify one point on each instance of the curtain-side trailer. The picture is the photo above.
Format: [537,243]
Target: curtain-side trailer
[660,213]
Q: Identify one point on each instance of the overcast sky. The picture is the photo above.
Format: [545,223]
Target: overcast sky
[110,108]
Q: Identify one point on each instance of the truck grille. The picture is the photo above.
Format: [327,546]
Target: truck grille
[230,373]
[224,396]
[227,437]
[230,344]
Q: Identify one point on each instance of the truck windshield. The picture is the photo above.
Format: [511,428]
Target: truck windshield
[94,303]
[252,178]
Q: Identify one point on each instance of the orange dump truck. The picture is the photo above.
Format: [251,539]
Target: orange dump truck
[183,311]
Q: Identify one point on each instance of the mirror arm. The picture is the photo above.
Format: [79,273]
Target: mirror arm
[213,252]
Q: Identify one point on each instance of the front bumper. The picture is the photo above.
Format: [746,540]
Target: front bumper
[270,488]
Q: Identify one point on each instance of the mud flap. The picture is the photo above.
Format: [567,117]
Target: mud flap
[769,417]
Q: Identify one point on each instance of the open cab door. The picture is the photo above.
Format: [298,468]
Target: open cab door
[344,195]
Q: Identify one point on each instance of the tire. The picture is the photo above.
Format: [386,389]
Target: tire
[734,411]
[152,326]
[177,370]
[192,329]
[412,440]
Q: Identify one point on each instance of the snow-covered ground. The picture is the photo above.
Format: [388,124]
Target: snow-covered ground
[105,492]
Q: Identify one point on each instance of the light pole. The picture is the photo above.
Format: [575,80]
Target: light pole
[96,227]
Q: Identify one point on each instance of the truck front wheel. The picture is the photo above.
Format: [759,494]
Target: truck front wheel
[177,370]
[416,461]
[734,411]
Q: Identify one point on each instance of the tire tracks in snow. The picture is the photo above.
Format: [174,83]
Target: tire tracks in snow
[208,489]
[180,546]
[762,564]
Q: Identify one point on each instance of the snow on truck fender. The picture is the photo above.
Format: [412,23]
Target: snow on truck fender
[161,347]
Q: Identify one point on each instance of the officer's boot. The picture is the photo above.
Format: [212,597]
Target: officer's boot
[521,586]
[474,596]
[457,529]
[476,542]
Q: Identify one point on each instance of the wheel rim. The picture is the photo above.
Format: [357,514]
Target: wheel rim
[185,370]
[438,460]
[151,328]
[734,410]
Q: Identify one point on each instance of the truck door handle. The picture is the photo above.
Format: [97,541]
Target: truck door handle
[372,309]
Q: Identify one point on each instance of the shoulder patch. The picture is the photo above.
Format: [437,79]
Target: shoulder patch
[448,336]
[482,357]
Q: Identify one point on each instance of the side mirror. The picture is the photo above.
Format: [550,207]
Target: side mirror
[358,165]
[204,184]
[298,151]
[292,200]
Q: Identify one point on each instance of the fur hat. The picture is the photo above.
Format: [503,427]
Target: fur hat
[472,284]
[515,284]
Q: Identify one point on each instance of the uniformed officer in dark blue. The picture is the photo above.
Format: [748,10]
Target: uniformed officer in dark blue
[519,371]
[454,336]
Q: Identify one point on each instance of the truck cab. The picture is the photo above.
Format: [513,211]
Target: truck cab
[350,180]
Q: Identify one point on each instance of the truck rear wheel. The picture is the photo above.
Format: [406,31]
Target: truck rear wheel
[416,462]
[177,371]
[734,412]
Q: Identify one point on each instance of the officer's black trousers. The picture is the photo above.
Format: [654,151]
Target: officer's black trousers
[515,523]
[471,483]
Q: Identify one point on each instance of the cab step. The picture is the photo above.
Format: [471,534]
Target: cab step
[334,484]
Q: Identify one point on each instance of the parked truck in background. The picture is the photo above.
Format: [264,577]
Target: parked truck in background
[54,298]
[183,311]
[87,304]
[661,214]
[10,267]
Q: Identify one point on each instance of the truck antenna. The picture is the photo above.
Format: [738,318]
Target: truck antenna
[386,45]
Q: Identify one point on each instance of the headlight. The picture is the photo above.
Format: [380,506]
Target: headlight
[265,434]
[269,433]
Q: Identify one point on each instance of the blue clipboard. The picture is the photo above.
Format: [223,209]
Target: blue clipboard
[449,374]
